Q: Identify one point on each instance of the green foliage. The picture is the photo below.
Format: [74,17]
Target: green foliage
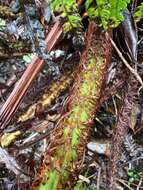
[79,186]
[132,176]
[109,11]
[2,24]
[52,182]
[68,10]
[28,58]
[72,131]
[91,188]
[75,136]
[138,15]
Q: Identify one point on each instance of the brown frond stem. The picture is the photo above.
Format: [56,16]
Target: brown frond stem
[121,129]
[66,147]
[27,78]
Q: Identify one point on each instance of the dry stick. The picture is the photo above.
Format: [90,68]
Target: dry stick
[27,78]
[133,71]
[98,179]
[125,184]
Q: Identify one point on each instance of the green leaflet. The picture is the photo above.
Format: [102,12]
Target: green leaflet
[68,9]
[28,58]
[84,116]
[79,186]
[75,136]
[52,182]
[2,23]
[88,3]
[139,13]
[109,11]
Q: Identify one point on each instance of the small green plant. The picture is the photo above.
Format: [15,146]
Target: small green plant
[132,176]
[28,58]
[91,188]
[2,23]
[138,15]
[108,11]
[79,186]
[68,10]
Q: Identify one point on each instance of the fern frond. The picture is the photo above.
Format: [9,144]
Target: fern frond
[109,11]
[138,15]
[68,9]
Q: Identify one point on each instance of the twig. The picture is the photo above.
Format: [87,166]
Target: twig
[133,71]
[98,179]
[139,184]
[111,91]
[123,183]
[115,106]
[32,142]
